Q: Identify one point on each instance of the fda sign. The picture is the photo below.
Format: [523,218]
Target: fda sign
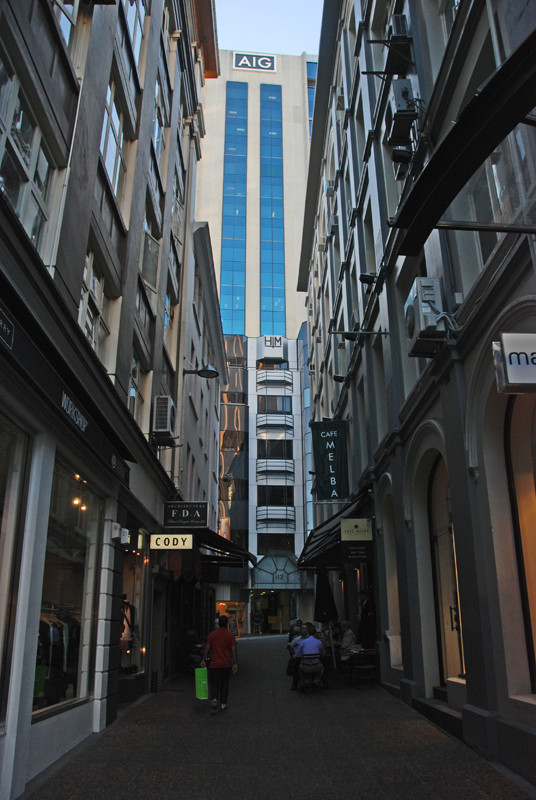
[254,61]
[178,514]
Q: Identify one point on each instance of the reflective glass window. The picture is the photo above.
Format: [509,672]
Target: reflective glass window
[66,642]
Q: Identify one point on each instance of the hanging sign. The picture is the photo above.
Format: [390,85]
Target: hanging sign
[331,462]
[178,514]
[515,363]
[171,541]
[356,539]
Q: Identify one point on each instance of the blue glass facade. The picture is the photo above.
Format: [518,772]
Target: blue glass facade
[233,248]
[272,227]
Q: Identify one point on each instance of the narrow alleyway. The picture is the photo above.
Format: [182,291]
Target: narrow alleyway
[342,742]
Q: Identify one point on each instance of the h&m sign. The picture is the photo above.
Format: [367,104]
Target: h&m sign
[256,61]
[185,515]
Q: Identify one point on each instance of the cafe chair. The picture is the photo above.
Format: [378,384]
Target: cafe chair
[310,674]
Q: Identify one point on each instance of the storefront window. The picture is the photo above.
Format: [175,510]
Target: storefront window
[13,450]
[66,641]
[132,645]
[521,460]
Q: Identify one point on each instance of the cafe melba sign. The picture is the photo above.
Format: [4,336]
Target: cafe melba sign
[331,461]
[515,363]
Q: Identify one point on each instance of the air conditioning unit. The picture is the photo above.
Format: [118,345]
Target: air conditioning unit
[424,326]
[402,112]
[330,188]
[164,419]
[399,56]
[334,225]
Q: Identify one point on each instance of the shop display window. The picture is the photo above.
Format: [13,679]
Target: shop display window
[13,454]
[131,645]
[67,626]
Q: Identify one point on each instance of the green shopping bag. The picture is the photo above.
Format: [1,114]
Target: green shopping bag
[201,683]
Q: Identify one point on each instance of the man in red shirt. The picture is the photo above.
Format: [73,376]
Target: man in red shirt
[222,647]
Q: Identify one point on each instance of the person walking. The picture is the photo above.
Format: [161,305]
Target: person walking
[221,644]
[295,662]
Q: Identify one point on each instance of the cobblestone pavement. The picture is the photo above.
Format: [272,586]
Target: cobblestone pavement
[273,743]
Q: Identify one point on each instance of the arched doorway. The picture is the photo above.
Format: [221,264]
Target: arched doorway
[445,576]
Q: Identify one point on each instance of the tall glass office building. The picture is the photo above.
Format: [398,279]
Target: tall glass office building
[251,190]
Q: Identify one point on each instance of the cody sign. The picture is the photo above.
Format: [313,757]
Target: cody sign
[171,541]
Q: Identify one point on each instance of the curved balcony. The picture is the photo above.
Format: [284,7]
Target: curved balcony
[276,518]
[276,378]
[275,422]
[275,468]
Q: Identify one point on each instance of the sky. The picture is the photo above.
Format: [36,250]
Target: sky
[287,27]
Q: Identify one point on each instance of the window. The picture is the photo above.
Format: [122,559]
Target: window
[136,389]
[272,235]
[66,13]
[143,307]
[272,364]
[274,404]
[233,252]
[275,495]
[66,641]
[160,123]
[93,305]
[150,253]
[177,204]
[113,144]
[135,11]
[26,171]
[13,450]
[274,448]
[270,542]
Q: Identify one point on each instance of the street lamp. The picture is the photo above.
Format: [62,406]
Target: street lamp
[206,371]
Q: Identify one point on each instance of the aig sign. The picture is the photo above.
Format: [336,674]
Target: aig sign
[254,61]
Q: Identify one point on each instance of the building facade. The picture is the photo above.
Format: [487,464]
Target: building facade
[418,261]
[251,190]
[107,294]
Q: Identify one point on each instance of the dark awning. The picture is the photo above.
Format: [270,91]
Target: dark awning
[499,105]
[323,545]
[220,546]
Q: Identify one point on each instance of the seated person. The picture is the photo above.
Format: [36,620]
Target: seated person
[348,640]
[310,651]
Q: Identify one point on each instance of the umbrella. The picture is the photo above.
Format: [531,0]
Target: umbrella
[325,608]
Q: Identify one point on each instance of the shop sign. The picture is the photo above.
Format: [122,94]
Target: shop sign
[171,541]
[356,539]
[178,514]
[331,462]
[41,374]
[515,363]
[256,61]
